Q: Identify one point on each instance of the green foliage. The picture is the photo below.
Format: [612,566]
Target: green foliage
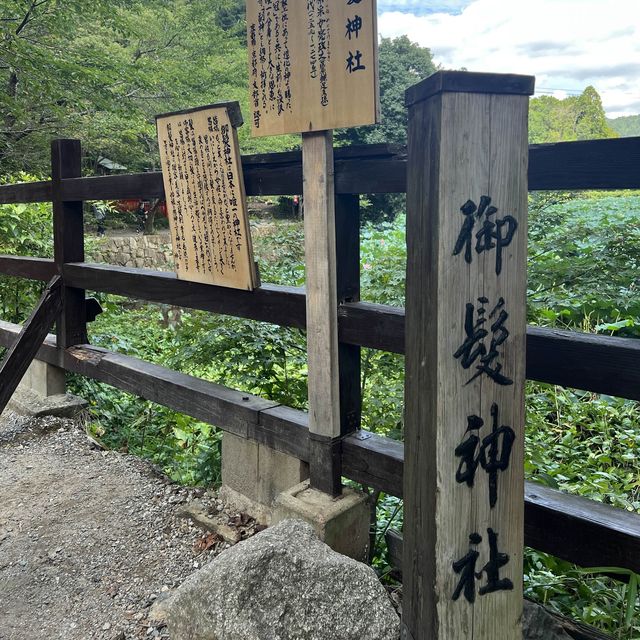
[585,594]
[565,426]
[573,118]
[577,442]
[402,64]
[27,230]
[625,126]
[259,358]
[584,260]
[100,71]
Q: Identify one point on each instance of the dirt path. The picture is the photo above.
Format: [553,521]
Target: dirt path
[88,539]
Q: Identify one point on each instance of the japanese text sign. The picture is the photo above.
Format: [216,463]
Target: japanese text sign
[312,65]
[206,202]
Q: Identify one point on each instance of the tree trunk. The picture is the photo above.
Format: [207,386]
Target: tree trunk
[150,218]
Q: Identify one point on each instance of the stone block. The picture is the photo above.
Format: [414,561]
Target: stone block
[282,583]
[342,522]
[253,475]
[44,379]
[25,402]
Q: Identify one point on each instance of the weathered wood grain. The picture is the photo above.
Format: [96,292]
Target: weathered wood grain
[25,346]
[280,305]
[580,530]
[598,363]
[207,247]
[554,356]
[31,268]
[574,629]
[322,308]
[466,82]
[348,288]
[466,146]
[315,90]
[26,192]
[586,164]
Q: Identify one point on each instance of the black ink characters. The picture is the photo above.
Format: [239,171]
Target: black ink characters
[494,452]
[466,569]
[492,235]
[473,347]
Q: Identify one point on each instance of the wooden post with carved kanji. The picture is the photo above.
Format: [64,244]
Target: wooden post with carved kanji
[465,363]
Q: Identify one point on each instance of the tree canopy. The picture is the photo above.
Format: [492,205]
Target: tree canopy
[101,70]
[574,118]
[402,63]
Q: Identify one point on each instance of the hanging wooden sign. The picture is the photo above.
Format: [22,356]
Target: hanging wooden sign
[206,201]
[313,65]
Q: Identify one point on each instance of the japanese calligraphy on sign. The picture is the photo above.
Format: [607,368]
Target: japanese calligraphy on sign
[312,65]
[486,332]
[494,234]
[206,202]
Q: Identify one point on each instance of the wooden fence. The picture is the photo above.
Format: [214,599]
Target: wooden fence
[572,528]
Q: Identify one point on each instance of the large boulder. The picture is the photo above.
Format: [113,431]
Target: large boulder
[282,584]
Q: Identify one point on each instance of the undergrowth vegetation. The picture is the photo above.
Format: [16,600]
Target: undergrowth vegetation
[584,262]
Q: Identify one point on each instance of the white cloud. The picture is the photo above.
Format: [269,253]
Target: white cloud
[566,44]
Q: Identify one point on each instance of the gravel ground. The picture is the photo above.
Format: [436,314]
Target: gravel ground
[88,538]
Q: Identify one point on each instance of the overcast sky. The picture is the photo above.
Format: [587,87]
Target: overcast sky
[566,44]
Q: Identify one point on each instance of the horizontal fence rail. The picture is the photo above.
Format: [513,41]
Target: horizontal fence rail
[590,164]
[573,528]
[596,363]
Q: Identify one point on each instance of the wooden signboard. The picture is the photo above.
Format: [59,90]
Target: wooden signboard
[465,333]
[206,201]
[312,64]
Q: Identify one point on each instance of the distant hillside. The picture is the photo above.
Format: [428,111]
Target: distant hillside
[626,126]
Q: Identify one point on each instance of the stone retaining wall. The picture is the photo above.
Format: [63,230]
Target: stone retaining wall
[150,252]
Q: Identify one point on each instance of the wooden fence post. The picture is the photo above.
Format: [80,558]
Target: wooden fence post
[68,238]
[322,312]
[465,356]
[348,283]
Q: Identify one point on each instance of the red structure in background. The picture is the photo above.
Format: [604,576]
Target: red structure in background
[134,204]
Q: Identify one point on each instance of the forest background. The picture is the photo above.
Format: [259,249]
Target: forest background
[100,71]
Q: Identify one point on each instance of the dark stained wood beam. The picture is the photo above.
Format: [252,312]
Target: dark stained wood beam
[601,364]
[284,306]
[587,164]
[572,528]
[31,268]
[27,343]
[26,192]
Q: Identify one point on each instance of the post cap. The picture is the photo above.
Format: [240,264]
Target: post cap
[468,82]
[233,109]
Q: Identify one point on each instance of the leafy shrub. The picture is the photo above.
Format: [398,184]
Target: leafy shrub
[27,230]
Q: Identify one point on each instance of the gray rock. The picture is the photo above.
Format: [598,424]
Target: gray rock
[282,584]
[538,624]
